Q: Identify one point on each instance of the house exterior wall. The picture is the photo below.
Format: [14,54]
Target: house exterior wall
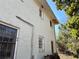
[27,44]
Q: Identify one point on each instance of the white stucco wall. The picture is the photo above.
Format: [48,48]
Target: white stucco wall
[29,12]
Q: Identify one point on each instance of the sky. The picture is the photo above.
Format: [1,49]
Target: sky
[60,15]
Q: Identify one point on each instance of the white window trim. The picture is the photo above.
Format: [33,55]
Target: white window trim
[43,44]
[17,37]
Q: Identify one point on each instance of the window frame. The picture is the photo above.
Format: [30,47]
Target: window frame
[42,43]
[50,24]
[7,43]
[17,36]
[40,12]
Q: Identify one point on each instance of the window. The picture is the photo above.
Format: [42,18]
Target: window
[7,42]
[41,42]
[40,12]
[50,24]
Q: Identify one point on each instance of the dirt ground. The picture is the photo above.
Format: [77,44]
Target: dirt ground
[63,56]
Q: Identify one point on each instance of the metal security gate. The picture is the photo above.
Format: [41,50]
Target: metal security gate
[7,42]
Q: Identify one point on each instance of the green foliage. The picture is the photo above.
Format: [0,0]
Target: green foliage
[73,25]
[69,45]
[73,22]
[63,37]
[71,7]
[73,33]
[66,40]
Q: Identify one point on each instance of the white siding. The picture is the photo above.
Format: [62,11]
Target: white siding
[29,12]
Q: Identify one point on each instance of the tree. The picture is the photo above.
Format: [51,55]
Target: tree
[71,7]
[65,40]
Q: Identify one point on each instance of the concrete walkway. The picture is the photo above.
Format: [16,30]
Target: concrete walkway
[63,56]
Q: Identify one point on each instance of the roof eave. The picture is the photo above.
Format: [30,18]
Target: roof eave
[47,10]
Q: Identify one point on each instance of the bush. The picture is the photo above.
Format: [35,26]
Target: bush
[75,55]
[54,56]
